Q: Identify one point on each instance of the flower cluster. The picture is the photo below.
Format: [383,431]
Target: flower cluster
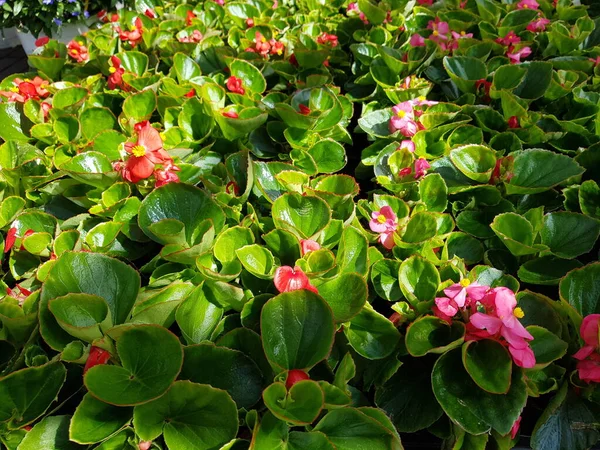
[265,47]
[588,365]
[405,116]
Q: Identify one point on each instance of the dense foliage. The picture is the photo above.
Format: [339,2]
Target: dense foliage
[304,225]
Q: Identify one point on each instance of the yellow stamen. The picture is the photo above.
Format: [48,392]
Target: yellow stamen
[381,218]
[526,6]
[44,86]
[27,79]
[465,282]
[422,98]
[138,150]
[401,113]
[132,28]
[263,39]
[519,313]
[162,136]
[112,69]
[436,33]
[462,33]
[279,52]
[74,51]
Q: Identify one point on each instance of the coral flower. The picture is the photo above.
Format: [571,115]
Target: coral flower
[150,13]
[11,237]
[289,279]
[189,17]
[97,357]
[166,175]
[327,38]
[230,114]
[539,25]
[40,42]
[384,222]
[261,45]
[195,37]
[234,84]
[77,51]
[145,153]
[134,35]
[24,90]
[308,245]
[277,47]
[115,79]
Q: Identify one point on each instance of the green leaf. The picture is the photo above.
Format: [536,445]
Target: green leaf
[346,294]
[408,397]
[554,429]
[190,416]
[223,368]
[351,428]
[465,71]
[91,168]
[569,234]
[27,393]
[96,120]
[95,421]
[352,253]
[197,317]
[188,204]
[537,170]
[302,215]
[329,156]
[421,227]
[251,77]
[474,409]
[536,81]
[475,161]
[140,106]
[66,129]
[429,334]
[489,364]
[374,13]
[151,359]
[371,335]
[434,192]
[52,433]
[229,240]
[78,272]
[516,233]
[301,405]
[384,277]
[81,315]
[185,68]
[581,290]
[15,125]
[546,270]
[69,97]
[257,260]
[546,346]
[297,329]
[419,279]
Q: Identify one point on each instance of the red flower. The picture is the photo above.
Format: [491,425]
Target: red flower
[261,45]
[304,110]
[23,90]
[115,79]
[195,37]
[134,35]
[78,51]
[40,42]
[232,188]
[288,279]
[234,84]
[145,153]
[510,39]
[327,38]
[231,114]
[11,237]
[486,85]
[150,14]
[191,93]
[97,357]
[513,122]
[277,47]
[249,22]
[189,17]
[102,16]
[114,17]
[166,175]
[295,375]
[293,60]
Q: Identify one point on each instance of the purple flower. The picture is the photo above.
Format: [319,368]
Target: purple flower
[75,13]
[57,22]
[2,2]
[71,1]
[47,2]
[86,14]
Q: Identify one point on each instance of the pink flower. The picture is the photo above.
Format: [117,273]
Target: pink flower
[421,167]
[515,428]
[513,122]
[416,40]
[425,2]
[595,61]
[510,39]
[288,279]
[588,366]
[528,4]
[352,7]
[407,144]
[539,25]
[384,222]
[440,30]
[195,37]
[515,57]
[459,292]
[422,101]
[166,175]
[502,320]
[446,306]
[461,35]
[327,39]
[403,119]
[308,245]
[144,445]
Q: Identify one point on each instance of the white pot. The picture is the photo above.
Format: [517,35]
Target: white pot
[9,39]
[65,34]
